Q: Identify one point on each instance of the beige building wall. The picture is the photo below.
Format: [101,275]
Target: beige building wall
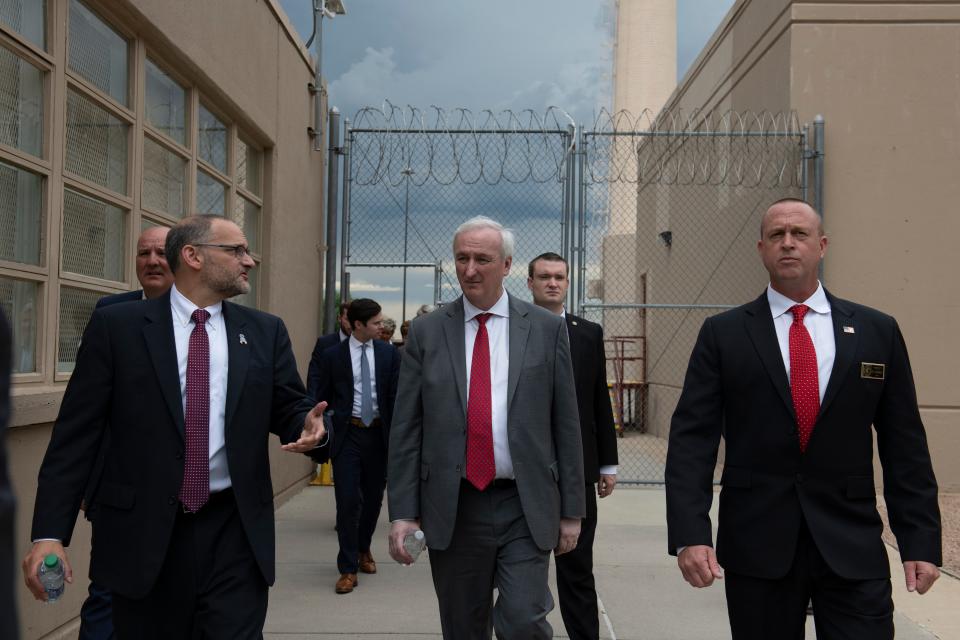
[884,78]
[246,65]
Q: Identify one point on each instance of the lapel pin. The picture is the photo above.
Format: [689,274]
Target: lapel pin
[848,329]
[573,322]
[243,339]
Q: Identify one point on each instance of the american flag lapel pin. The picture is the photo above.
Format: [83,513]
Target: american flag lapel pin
[847,329]
[243,339]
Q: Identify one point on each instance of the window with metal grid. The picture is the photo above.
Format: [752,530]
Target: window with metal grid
[211,194]
[96,145]
[21,103]
[212,140]
[26,17]
[98,53]
[247,216]
[21,215]
[166,103]
[93,237]
[164,179]
[249,162]
[19,301]
[76,305]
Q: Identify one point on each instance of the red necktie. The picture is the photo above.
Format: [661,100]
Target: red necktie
[804,380]
[196,471]
[480,466]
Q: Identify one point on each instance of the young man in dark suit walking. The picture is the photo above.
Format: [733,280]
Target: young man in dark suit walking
[548,281]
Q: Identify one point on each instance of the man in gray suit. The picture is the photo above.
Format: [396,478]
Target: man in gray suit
[485,451]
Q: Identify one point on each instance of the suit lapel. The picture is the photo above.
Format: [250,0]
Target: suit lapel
[158,335]
[453,332]
[846,349]
[238,358]
[577,343]
[760,328]
[346,361]
[519,331]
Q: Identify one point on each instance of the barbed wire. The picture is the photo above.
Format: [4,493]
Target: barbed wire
[718,148]
[392,144]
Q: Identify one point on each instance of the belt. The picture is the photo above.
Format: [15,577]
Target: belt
[357,422]
[496,483]
[214,498]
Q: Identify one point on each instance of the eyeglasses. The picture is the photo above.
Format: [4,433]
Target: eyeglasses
[238,250]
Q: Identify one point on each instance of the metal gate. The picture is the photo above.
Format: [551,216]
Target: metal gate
[657,215]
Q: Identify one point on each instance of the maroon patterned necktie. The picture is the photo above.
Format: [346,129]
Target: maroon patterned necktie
[196,471]
[804,379]
[480,465]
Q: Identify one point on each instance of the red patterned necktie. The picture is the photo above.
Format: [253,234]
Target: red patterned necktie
[196,471]
[480,466]
[804,379]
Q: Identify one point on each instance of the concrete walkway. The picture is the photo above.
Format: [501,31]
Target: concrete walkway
[642,593]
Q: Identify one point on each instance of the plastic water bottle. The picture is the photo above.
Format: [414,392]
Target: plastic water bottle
[51,577]
[414,544]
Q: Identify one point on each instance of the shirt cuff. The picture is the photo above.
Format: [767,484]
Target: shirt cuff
[47,540]
[608,470]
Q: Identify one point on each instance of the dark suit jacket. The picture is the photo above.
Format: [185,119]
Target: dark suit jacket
[8,609]
[126,296]
[336,387]
[737,386]
[428,438]
[593,398]
[126,383]
[313,371]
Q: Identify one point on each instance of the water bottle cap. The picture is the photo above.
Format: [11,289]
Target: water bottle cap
[418,534]
[51,560]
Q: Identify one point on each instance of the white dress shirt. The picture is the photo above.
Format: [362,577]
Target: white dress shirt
[498,337]
[182,309]
[819,325]
[609,469]
[356,348]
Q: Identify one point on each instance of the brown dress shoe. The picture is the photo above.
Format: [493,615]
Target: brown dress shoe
[367,564]
[346,583]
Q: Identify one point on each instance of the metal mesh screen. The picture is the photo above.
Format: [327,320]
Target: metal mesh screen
[246,214]
[165,104]
[21,215]
[164,179]
[21,103]
[26,17]
[212,140]
[97,52]
[211,194]
[412,187]
[19,300]
[248,167]
[96,145]
[76,305]
[672,214]
[94,237]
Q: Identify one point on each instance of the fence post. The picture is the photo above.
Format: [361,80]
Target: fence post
[345,213]
[330,268]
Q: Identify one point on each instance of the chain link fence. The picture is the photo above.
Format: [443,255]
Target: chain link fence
[658,215]
[670,221]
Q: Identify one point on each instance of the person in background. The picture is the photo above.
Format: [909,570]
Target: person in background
[388,328]
[324,342]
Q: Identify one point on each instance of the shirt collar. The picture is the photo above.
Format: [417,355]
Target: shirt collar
[780,304]
[183,309]
[500,308]
[356,344]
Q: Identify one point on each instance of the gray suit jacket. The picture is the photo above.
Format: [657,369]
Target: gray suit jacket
[429,433]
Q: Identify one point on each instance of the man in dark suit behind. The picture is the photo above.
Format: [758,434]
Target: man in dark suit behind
[485,449]
[548,280]
[184,535]
[323,343]
[361,395]
[155,278]
[793,382]
[8,609]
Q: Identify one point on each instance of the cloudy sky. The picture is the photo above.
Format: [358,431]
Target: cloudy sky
[530,54]
[527,54]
